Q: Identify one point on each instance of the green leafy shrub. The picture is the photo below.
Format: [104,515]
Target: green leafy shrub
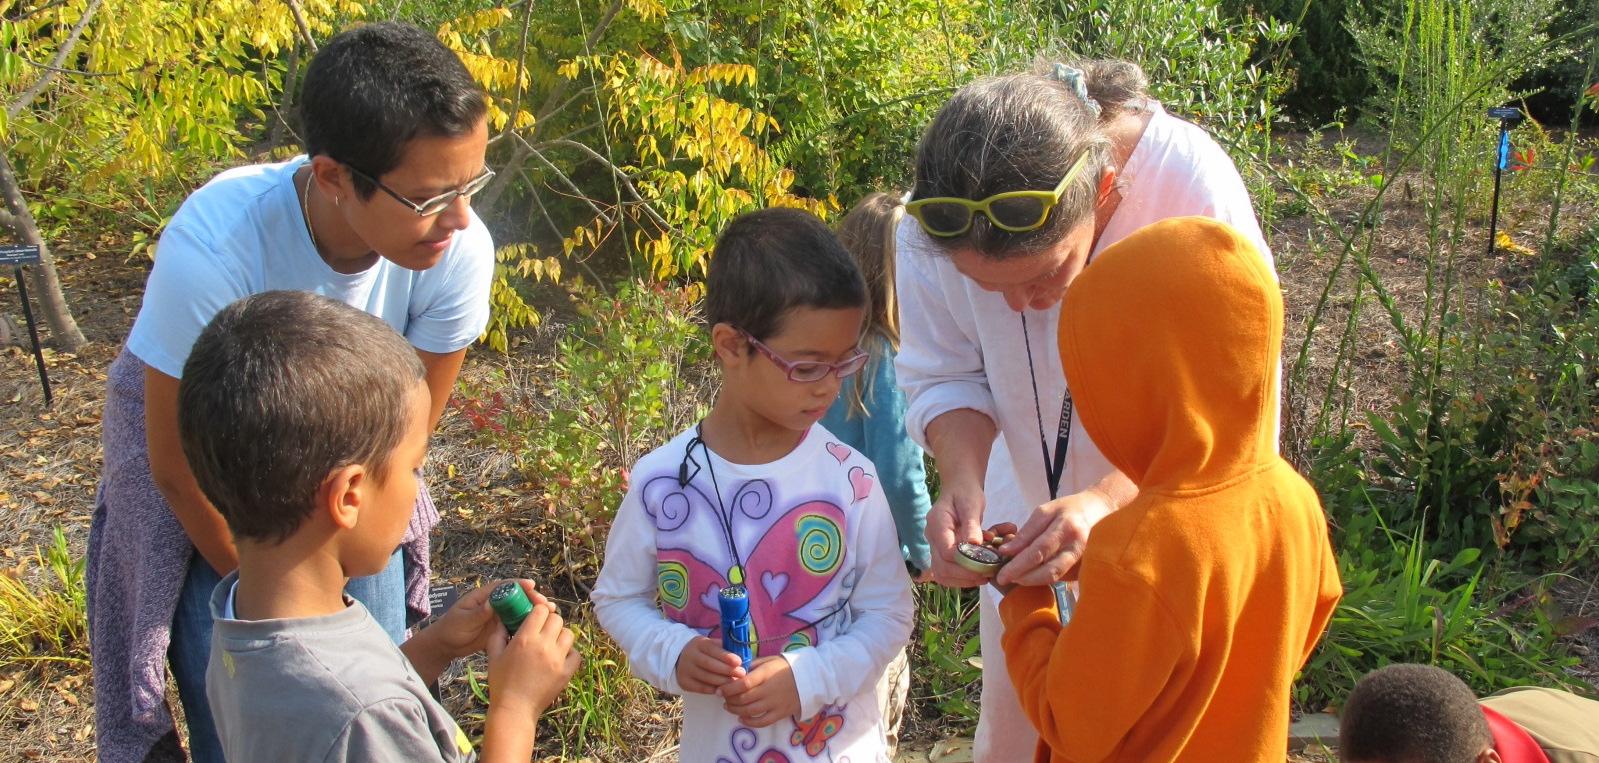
[1403,605]
[150,94]
[1200,65]
[1327,75]
[626,377]
[1438,61]
[946,667]
[624,380]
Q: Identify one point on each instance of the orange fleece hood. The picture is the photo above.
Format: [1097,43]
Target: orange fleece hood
[1159,374]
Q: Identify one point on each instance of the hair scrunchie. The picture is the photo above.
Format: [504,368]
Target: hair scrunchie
[1074,78]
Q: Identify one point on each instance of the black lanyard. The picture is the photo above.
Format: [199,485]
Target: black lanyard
[1054,466]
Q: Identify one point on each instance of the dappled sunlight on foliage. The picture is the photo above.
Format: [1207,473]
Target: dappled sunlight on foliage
[149,94]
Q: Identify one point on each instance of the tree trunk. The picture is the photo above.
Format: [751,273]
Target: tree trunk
[285,109]
[552,101]
[299,21]
[46,286]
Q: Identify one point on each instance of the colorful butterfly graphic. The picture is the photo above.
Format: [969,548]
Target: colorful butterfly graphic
[744,740]
[814,734]
[787,563]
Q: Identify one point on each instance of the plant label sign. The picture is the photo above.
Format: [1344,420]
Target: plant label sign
[11,254]
[441,598]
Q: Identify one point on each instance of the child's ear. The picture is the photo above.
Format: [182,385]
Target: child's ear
[343,495]
[729,343]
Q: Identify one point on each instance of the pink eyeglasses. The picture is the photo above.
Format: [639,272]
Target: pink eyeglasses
[812,370]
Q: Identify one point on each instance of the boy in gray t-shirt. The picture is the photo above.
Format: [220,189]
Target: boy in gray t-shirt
[305,422]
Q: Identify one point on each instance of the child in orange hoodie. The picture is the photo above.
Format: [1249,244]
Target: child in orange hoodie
[1199,599]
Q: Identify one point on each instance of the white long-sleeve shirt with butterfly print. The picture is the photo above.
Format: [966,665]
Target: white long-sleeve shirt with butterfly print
[811,538]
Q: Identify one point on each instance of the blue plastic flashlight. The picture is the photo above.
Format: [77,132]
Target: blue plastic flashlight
[734,602]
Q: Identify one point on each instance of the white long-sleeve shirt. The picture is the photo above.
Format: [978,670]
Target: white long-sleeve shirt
[813,537]
[962,347]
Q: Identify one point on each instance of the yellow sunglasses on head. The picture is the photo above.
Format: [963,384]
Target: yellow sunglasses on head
[1014,211]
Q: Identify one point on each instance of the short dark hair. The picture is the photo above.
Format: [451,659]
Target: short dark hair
[1021,132]
[1409,713]
[374,88]
[771,261]
[282,388]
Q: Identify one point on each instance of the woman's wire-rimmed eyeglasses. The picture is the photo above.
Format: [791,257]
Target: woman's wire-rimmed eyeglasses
[436,204]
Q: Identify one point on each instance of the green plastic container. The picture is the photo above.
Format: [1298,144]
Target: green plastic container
[510,602]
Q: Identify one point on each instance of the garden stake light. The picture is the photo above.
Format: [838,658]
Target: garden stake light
[16,257]
[1508,117]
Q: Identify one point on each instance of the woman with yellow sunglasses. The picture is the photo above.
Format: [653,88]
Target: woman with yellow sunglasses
[1019,180]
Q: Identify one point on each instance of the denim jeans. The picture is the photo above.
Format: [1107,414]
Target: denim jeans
[383,595]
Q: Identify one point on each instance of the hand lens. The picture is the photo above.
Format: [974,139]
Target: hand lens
[984,558]
[978,558]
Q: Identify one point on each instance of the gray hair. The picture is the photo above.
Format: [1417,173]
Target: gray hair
[1013,133]
[1115,84]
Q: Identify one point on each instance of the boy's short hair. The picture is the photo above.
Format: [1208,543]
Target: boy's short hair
[282,388]
[1412,714]
[771,261]
[372,89]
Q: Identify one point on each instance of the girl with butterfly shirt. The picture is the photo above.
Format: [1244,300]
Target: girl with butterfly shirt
[760,495]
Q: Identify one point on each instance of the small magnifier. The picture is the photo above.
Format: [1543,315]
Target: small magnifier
[985,559]
[979,558]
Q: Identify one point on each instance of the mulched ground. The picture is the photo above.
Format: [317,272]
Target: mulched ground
[50,458]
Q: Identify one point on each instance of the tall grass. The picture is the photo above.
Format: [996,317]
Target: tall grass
[45,620]
[1403,605]
[1437,442]
[946,659]
[1488,407]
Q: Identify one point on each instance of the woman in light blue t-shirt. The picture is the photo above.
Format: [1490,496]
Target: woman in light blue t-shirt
[376,217]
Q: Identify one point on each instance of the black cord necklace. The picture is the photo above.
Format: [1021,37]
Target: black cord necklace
[1054,467]
[723,516]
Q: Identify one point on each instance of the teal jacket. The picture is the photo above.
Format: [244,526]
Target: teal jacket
[880,435]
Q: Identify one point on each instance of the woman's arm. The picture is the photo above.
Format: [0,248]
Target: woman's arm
[170,469]
[960,441]
[949,408]
[442,371]
[1048,546]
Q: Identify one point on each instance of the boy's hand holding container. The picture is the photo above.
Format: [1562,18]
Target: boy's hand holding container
[527,668]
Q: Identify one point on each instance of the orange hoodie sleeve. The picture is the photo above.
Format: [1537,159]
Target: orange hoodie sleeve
[1332,589]
[1084,686]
